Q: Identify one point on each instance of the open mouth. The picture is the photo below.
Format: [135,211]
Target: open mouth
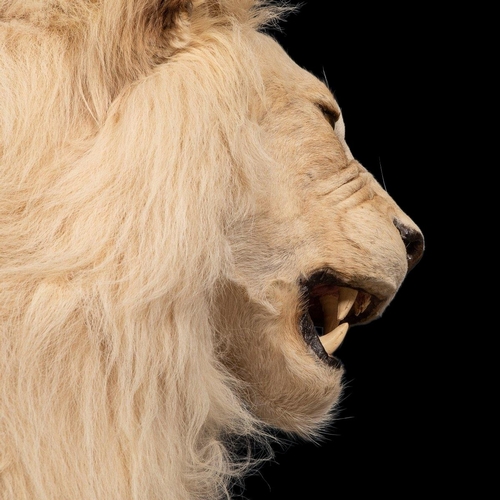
[330,308]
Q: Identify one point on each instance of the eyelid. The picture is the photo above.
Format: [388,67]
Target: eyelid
[331,114]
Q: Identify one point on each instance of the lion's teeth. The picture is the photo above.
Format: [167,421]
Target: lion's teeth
[331,341]
[362,304]
[347,296]
[330,311]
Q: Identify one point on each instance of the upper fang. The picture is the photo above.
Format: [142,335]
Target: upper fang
[347,297]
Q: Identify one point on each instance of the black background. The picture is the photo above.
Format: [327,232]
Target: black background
[394,436]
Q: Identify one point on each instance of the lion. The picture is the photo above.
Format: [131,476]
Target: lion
[186,239]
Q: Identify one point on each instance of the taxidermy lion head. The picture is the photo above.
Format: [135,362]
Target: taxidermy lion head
[185,239]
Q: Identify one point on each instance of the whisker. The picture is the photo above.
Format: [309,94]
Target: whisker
[382,174]
[325,79]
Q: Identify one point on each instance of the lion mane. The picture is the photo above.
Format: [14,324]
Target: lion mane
[175,197]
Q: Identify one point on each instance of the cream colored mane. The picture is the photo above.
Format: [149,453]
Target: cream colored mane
[106,343]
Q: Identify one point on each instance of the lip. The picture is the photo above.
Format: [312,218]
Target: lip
[324,326]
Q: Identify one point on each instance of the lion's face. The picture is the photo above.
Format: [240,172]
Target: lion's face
[324,249]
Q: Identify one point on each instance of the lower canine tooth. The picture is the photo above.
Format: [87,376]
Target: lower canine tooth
[332,340]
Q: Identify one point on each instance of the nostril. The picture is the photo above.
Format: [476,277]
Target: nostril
[414,243]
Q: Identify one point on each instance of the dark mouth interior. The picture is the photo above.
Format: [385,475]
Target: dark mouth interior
[325,284]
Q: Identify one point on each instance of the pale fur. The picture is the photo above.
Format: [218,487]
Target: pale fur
[133,212]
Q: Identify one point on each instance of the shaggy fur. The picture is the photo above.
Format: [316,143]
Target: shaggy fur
[169,181]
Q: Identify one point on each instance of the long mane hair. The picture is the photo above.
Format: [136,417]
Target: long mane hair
[125,154]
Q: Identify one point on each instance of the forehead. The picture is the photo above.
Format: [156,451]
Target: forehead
[284,78]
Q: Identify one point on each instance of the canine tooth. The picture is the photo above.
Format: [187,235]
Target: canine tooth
[329,303]
[332,340]
[362,305]
[347,296]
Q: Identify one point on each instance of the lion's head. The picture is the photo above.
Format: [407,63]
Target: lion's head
[186,239]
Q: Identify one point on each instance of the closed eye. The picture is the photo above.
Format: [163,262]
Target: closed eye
[331,114]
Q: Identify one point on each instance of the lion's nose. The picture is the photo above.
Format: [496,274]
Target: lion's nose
[414,243]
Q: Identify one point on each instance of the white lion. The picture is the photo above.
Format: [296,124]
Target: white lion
[185,239]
